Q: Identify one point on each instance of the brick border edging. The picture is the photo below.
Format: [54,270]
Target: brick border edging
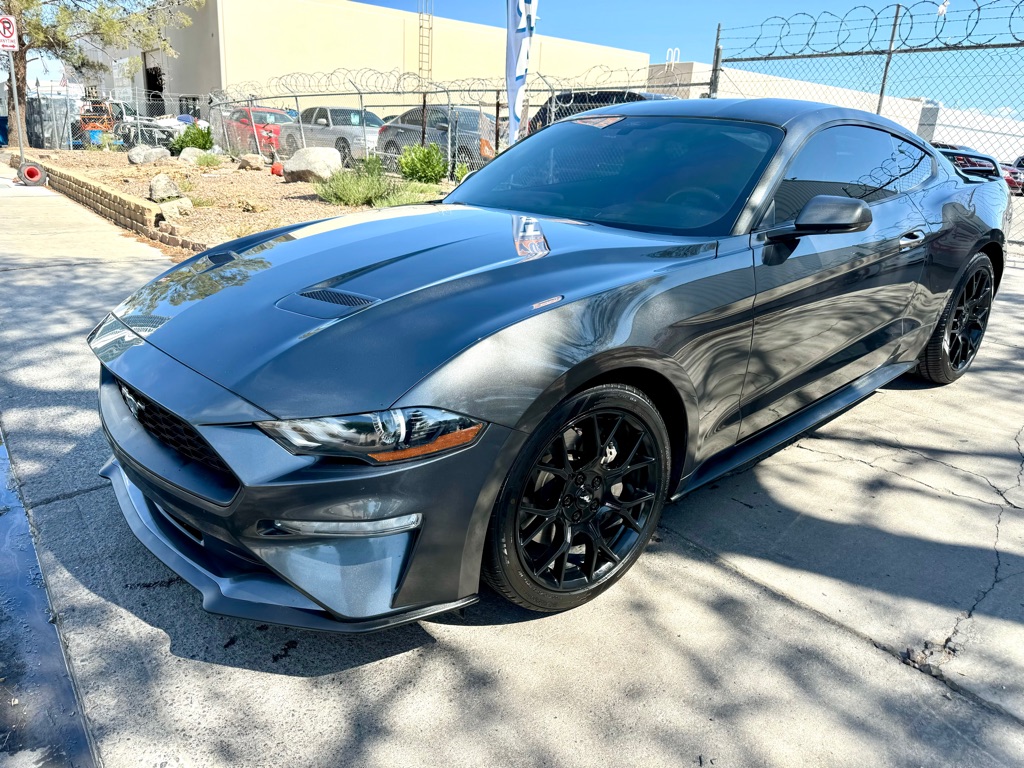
[133,213]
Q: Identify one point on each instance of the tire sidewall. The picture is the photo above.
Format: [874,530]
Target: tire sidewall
[946,370]
[503,529]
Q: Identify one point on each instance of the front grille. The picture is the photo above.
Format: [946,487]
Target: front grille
[173,432]
[333,296]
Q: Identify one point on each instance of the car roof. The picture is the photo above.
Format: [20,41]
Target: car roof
[785,113]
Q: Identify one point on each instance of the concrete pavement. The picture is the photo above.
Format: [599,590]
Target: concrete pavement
[764,626]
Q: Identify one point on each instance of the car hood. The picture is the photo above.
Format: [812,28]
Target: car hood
[345,315]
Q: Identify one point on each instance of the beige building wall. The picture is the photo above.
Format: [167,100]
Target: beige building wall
[262,39]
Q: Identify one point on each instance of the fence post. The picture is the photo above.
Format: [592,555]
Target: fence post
[716,66]
[497,126]
[252,124]
[888,58]
[423,126]
[362,118]
[302,131]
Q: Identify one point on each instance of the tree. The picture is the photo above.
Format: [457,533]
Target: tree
[74,31]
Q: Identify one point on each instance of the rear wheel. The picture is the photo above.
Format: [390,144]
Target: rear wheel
[581,501]
[957,337]
[291,145]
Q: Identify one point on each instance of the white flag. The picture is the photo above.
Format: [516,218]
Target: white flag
[522,15]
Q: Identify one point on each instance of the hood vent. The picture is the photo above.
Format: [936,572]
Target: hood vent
[334,296]
[325,302]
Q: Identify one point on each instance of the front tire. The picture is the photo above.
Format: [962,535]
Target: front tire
[581,500]
[345,151]
[957,337]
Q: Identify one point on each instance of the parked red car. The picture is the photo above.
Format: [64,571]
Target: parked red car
[239,128]
[1014,178]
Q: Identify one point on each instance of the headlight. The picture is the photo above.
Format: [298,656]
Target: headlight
[381,437]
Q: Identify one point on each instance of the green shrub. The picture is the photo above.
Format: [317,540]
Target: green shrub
[461,171]
[208,161]
[424,164]
[357,187]
[193,136]
[373,166]
[410,192]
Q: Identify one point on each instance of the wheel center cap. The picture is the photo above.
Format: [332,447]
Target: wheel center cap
[584,498]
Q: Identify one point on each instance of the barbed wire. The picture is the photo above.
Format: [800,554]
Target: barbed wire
[371,81]
[922,25]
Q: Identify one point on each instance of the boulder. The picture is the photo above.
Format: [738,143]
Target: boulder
[191,154]
[312,164]
[250,163]
[174,209]
[163,188]
[142,154]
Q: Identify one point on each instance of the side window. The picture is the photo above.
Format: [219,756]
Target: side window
[438,116]
[412,117]
[308,116]
[236,116]
[913,165]
[847,160]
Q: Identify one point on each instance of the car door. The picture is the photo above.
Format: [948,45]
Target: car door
[829,308]
[319,128]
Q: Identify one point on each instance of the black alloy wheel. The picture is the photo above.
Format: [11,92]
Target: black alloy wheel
[581,501]
[961,328]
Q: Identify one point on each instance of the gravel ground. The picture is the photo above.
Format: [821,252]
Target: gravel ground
[229,203]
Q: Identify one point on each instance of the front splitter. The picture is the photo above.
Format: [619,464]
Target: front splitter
[253,595]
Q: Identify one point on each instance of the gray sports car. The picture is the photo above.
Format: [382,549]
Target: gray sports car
[344,425]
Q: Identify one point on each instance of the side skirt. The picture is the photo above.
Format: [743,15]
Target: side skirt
[792,426]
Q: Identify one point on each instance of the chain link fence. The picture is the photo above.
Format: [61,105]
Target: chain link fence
[366,112]
[950,73]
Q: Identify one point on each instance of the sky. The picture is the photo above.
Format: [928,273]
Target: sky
[652,26]
[986,80]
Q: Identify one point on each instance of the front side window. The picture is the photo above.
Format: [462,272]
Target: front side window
[849,161]
[412,117]
[659,174]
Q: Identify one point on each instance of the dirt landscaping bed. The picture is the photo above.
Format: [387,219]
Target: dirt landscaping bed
[229,203]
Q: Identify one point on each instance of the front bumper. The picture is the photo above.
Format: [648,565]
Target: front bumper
[232,590]
[214,526]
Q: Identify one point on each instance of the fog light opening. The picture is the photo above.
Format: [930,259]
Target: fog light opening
[383,527]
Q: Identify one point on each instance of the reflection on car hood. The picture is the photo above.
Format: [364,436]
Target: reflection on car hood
[389,296]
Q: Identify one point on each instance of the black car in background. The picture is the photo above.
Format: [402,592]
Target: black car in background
[346,425]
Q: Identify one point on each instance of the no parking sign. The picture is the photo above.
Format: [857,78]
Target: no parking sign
[8,34]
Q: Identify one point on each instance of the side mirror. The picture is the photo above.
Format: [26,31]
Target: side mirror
[443,127]
[825,215]
[322,122]
[244,121]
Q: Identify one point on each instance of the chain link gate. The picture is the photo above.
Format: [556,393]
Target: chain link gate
[953,74]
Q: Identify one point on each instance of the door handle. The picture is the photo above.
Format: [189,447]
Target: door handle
[911,239]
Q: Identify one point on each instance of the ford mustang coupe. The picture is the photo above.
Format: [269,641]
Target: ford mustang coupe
[349,424]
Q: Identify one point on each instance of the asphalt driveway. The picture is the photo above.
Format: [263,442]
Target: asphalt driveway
[856,598]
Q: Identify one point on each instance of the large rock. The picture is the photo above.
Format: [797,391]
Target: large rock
[174,209]
[142,154]
[191,154]
[312,164]
[162,188]
[250,163]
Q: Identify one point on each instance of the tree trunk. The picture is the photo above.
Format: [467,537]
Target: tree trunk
[21,76]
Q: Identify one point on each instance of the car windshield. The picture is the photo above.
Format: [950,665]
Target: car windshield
[659,174]
[271,118]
